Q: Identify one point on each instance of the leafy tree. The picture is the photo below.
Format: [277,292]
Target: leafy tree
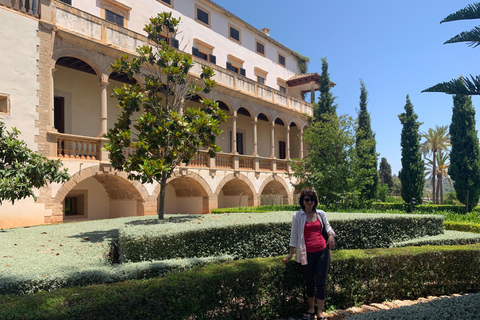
[165,133]
[22,170]
[397,186]
[464,157]
[326,102]
[462,85]
[328,168]
[385,173]
[412,173]
[436,140]
[365,146]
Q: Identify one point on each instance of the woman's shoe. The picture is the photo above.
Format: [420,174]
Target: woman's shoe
[308,316]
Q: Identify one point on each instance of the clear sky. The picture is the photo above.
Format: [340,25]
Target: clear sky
[395,47]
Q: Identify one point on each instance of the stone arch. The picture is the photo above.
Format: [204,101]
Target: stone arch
[116,184]
[189,185]
[243,187]
[81,54]
[275,185]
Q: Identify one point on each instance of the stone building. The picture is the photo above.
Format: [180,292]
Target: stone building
[56,89]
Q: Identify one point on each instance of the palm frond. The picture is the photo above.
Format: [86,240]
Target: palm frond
[472,11]
[462,85]
[472,38]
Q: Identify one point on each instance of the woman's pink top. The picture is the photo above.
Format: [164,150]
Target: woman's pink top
[314,240]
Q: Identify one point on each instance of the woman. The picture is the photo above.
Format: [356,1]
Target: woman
[312,237]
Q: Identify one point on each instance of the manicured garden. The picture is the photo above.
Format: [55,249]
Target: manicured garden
[225,266]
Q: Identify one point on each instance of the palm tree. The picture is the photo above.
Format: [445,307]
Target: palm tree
[462,85]
[435,140]
[442,165]
[442,172]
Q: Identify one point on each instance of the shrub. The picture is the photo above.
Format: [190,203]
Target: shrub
[462,226]
[262,288]
[266,236]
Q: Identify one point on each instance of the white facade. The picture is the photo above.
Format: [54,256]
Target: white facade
[55,61]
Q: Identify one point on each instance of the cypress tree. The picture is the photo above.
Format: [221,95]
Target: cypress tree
[412,173]
[365,146]
[464,156]
[386,173]
[326,101]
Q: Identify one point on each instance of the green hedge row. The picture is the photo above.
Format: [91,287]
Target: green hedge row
[262,288]
[248,241]
[266,208]
[424,208]
[462,226]
[102,275]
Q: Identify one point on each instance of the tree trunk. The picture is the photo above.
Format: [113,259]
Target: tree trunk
[439,187]
[161,196]
[434,173]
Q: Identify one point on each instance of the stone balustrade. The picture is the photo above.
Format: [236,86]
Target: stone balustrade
[75,147]
[30,7]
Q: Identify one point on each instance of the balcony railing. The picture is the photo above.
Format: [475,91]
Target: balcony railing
[74,147]
[78,147]
[30,7]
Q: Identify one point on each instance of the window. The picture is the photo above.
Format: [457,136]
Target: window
[203,50]
[236,65]
[260,48]
[167,2]
[75,203]
[115,11]
[282,150]
[170,41]
[113,17]
[67,1]
[202,15]
[261,75]
[4,103]
[281,60]
[234,33]
[282,85]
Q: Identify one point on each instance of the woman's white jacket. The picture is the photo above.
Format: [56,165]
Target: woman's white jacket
[297,238]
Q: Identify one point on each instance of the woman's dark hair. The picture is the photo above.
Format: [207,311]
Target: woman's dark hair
[312,195]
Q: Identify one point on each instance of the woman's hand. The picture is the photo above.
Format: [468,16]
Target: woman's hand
[331,242]
[288,258]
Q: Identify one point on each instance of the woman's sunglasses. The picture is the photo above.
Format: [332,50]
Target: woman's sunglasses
[308,200]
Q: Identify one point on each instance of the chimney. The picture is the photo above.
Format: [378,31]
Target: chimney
[266,31]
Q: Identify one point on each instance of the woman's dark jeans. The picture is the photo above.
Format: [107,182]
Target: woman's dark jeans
[316,273]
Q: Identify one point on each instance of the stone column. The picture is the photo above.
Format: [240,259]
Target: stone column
[234,132]
[287,155]
[301,144]
[272,139]
[52,99]
[103,109]
[255,142]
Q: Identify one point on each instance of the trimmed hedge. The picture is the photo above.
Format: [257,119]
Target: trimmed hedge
[424,208]
[246,241]
[266,208]
[102,274]
[462,226]
[450,237]
[262,288]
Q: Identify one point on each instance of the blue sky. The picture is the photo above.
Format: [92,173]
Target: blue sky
[395,47]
